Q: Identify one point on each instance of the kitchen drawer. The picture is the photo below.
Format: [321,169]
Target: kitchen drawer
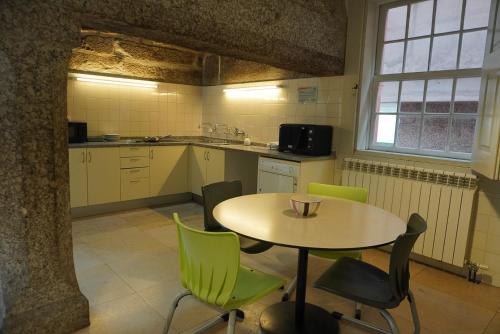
[134,162]
[135,173]
[134,151]
[133,188]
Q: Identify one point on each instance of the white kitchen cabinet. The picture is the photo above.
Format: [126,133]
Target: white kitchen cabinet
[134,183]
[103,166]
[78,177]
[168,170]
[206,166]
[486,153]
[215,166]
[276,176]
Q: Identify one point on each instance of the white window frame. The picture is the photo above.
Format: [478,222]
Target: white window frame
[371,62]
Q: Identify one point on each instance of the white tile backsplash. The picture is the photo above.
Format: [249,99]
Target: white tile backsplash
[259,114]
[131,111]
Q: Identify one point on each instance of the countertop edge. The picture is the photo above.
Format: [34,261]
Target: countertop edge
[262,151]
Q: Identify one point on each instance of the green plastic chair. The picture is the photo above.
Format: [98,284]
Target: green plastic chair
[330,190]
[211,271]
[350,193]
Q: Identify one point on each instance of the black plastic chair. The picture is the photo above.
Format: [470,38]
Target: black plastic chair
[367,284]
[216,193]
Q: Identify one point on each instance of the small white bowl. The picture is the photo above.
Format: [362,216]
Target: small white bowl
[305,205]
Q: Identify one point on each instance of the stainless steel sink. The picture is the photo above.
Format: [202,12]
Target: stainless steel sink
[210,141]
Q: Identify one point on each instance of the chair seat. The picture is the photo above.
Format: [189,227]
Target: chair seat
[334,255]
[252,285]
[358,281]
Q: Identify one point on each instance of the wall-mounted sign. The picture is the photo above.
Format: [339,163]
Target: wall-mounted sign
[308,94]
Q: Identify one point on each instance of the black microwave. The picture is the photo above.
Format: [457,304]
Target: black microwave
[306,139]
[77,132]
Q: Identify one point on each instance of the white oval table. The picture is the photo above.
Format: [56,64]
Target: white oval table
[337,225]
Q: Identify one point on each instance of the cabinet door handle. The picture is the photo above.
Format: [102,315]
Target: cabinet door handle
[208,155]
[151,155]
[205,155]
[89,155]
[83,157]
[134,181]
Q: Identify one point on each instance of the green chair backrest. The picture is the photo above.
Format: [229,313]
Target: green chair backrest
[352,193]
[209,262]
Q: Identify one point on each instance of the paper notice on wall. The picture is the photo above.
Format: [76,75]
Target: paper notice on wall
[307,94]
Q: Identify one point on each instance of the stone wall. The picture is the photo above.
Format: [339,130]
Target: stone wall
[297,35]
[220,70]
[118,54]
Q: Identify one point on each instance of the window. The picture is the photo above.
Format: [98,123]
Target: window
[426,82]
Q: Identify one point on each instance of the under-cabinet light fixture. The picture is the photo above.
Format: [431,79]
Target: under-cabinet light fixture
[268,92]
[244,89]
[115,81]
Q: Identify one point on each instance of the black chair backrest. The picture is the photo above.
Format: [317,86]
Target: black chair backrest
[214,194]
[399,269]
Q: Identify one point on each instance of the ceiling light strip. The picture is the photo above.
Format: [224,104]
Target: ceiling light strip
[242,89]
[113,80]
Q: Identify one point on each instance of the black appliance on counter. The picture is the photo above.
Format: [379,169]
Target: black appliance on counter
[306,139]
[77,132]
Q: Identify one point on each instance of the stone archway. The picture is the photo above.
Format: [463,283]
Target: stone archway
[39,285]
[38,288]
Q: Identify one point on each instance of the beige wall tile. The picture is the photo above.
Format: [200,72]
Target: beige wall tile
[134,111]
[260,114]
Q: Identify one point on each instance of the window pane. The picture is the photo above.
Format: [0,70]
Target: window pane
[448,15]
[392,58]
[473,44]
[467,95]
[385,127]
[462,134]
[420,19]
[417,55]
[387,97]
[395,23]
[444,52]
[438,98]
[408,131]
[412,96]
[435,133]
[476,14]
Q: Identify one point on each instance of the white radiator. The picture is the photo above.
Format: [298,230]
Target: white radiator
[443,199]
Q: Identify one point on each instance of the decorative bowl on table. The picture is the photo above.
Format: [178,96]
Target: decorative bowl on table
[305,205]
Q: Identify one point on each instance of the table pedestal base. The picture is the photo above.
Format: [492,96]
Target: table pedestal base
[280,318]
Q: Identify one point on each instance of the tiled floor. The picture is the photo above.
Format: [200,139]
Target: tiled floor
[127,266]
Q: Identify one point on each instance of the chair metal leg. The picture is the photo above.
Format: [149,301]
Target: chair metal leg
[211,323]
[231,324]
[170,315]
[289,289]
[414,313]
[360,323]
[390,320]
[357,311]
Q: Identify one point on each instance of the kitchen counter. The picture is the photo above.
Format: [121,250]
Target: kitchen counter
[260,150]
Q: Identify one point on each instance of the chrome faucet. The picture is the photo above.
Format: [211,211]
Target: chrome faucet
[238,132]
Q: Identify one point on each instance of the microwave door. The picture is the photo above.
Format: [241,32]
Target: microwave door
[300,138]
